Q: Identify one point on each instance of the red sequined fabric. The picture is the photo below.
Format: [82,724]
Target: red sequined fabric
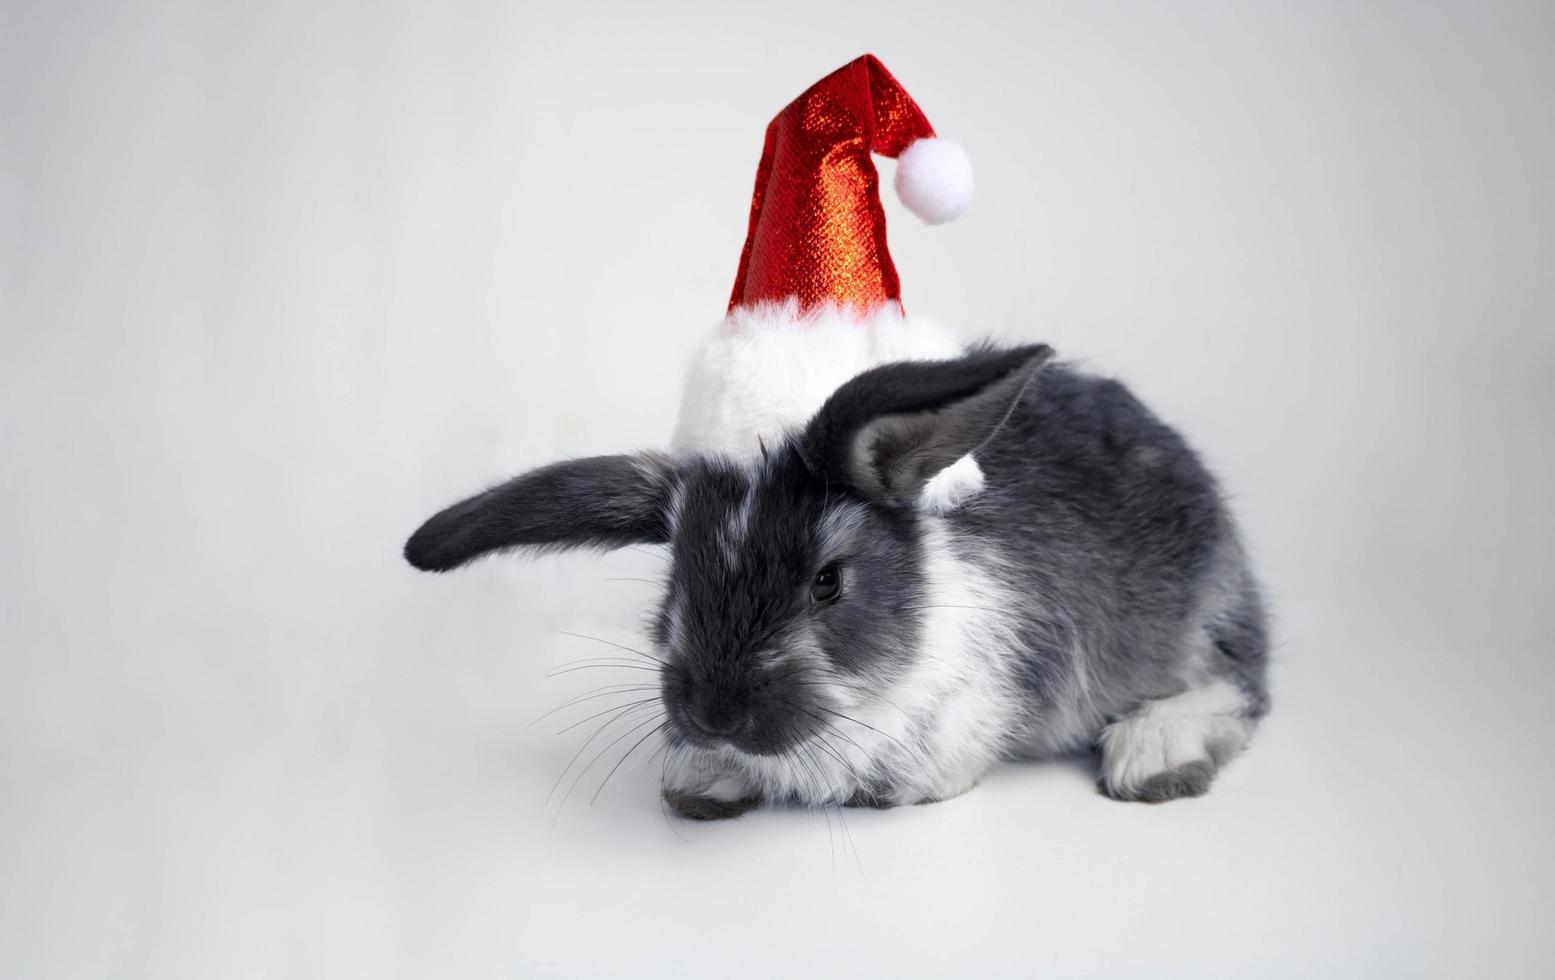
[817,231]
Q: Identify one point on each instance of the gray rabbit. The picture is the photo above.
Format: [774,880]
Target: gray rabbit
[823,638]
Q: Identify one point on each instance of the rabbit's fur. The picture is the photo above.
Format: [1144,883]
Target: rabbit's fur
[1093,593]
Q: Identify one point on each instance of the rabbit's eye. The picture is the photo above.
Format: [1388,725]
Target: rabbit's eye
[827,585]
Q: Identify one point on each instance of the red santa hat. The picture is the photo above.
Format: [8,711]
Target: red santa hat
[817,299]
[817,230]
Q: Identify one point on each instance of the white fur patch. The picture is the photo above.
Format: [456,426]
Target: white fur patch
[770,367]
[962,685]
[952,486]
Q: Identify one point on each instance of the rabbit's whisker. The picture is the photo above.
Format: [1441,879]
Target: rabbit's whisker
[597,693]
[613,769]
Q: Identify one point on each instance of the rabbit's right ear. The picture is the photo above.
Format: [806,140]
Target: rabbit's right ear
[601,502]
[889,431]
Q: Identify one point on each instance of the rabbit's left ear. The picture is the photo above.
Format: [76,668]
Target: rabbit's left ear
[890,430]
[601,502]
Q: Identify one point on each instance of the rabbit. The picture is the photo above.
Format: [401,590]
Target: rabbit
[825,640]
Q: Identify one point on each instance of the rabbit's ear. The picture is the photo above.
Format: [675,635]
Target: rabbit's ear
[602,502]
[888,431]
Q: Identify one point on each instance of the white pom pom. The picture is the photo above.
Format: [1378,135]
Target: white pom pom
[934,179]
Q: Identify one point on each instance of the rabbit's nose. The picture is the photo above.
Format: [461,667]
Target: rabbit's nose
[723,724]
[722,718]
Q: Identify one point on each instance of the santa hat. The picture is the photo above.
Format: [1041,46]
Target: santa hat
[817,230]
[817,299]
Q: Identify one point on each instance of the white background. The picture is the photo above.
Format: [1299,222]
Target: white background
[279,280]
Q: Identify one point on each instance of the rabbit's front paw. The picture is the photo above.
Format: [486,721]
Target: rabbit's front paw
[694,807]
[699,786]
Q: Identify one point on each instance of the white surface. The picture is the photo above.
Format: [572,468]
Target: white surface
[281,279]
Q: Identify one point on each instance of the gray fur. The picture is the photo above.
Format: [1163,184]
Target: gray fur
[1107,514]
